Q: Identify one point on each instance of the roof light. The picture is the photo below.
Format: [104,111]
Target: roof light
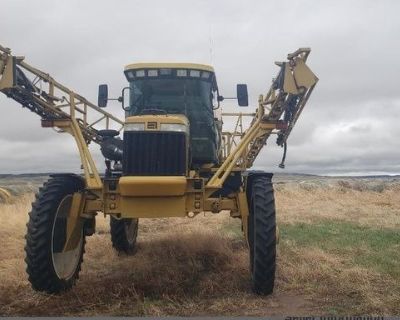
[195,73]
[205,74]
[152,73]
[139,73]
[130,74]
[181,73]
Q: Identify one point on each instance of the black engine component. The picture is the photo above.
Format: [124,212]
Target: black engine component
[231,185]
[108,133]
[112,148]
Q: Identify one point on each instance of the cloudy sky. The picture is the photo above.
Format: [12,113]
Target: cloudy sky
[350,125]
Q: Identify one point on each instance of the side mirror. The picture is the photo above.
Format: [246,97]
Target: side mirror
[242,95]
[125,97]
[102,96]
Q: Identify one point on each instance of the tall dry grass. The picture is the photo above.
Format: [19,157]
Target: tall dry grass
[370,203]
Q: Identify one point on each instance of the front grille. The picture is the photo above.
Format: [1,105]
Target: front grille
[154,153]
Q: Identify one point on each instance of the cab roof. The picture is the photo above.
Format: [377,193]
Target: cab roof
[161,65]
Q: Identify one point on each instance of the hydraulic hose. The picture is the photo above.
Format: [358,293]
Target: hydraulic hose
[282,164]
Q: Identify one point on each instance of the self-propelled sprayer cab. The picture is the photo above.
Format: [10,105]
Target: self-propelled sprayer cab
[170,90]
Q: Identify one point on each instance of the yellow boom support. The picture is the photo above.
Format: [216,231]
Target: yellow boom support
[290,90]
[58,106]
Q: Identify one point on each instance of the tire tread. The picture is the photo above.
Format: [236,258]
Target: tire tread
[119,238]
[38,259]
[262,236]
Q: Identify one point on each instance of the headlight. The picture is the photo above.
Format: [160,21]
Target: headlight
[134,127]
[176,127]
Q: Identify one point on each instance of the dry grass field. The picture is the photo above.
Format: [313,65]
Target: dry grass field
[338,254]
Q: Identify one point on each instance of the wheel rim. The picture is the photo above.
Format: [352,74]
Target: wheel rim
[64,262]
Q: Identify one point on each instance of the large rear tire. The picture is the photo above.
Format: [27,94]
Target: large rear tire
[262,235]
[51,268]
[124,234]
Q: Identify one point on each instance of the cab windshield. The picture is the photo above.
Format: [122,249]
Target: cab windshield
[171,95]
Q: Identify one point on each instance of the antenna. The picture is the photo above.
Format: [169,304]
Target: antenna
[211,46]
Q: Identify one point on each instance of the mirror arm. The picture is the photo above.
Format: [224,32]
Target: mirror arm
[229,98]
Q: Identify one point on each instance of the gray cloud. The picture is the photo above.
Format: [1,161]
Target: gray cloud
[349,125]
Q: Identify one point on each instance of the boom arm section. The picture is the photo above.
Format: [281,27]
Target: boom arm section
[40,93]
[58,107]
[277,113]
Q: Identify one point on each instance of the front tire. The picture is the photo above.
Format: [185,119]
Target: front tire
[124,234]
[50,267]
[262,235]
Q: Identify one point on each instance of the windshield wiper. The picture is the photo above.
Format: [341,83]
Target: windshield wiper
[152,111]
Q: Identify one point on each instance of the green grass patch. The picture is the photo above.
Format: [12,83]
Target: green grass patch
[378,249]
[233,228]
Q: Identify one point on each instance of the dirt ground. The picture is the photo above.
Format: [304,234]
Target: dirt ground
[337,254]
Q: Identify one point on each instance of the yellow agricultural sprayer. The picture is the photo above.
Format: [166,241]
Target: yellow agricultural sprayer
[170,157]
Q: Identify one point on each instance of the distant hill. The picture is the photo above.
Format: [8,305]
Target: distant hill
[282,175]
[24,175]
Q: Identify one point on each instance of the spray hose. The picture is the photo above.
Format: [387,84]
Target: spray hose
[282,164]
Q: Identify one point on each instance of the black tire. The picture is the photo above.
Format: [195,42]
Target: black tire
[262,235]
[43,242]
[124,234]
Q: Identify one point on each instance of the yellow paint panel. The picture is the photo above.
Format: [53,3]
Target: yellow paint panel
[74,223]
[289,84]
[7,75]
[152,207]
[148,186]
[303,75]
